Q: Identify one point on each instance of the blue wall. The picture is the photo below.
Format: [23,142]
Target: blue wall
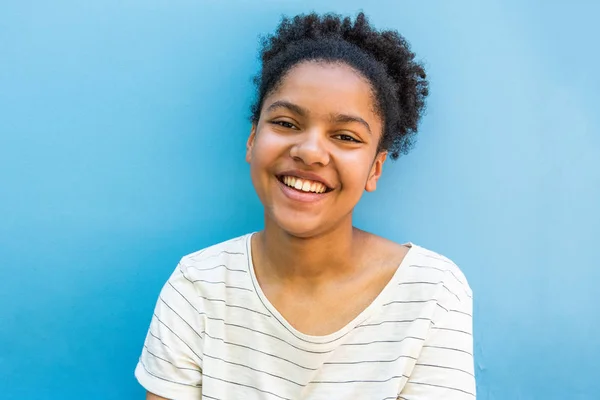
[122,129]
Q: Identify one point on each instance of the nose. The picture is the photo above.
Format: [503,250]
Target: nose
[311,148]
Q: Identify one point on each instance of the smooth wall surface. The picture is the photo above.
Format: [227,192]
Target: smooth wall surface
[122,131]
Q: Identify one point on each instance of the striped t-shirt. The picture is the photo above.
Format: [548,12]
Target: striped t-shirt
[214,335]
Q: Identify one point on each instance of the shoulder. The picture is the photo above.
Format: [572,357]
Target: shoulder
[230,251]
[432,266]
[219,271]
[381,251]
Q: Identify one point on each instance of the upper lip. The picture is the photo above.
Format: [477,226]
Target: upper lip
[306,175]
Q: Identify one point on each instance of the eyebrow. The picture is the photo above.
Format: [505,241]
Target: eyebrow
[335,118]
[290,106]
[345,118]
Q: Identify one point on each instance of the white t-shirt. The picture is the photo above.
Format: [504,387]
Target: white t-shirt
[214,335]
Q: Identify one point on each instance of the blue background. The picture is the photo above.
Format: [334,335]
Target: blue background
[122,131]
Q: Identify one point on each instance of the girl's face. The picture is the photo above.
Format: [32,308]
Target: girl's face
[314,150]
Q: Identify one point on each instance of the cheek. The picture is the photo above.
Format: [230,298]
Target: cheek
[355,173]
[267,147]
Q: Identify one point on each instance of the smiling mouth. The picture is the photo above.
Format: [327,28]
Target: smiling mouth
[303,185]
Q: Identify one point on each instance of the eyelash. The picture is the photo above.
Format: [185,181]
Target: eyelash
[347,138]
[284,124]
[289,125]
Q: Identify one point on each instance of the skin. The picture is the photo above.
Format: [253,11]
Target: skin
[152,396]
[309,256]
[321,119]
[343,153]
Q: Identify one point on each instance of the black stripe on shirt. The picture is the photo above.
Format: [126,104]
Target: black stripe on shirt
[381,341]
[395,321]
[180,317]
[442,387]
[260,351]
[446,367]
[221,282]
[254,369]
[167,361]
[248,386]
[461,312]
[448,348]
[244,327]
[364,381]
[408,302]
[178,337]
[451,330]
[278,338]
[168,380]
[194,256]
[368,361]
[157,338]
[462,284]
[227,305]
[217,266]
[431,283]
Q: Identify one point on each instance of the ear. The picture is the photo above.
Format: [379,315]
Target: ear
[250,143]
[375,172]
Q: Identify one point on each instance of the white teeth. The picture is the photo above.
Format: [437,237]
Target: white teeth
[304,185]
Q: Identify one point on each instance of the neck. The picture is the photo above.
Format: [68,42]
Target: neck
[307,261]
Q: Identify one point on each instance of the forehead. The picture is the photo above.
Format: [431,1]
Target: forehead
[325,88]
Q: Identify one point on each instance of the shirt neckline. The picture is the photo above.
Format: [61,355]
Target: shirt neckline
[319,340]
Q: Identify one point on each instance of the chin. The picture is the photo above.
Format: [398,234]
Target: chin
[299,230]
[301,226]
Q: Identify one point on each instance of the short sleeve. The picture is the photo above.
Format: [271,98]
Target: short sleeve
[171,361]
[445,367]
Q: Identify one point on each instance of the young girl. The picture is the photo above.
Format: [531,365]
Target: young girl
[312,307]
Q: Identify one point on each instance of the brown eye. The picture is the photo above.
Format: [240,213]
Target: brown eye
[284,124]
[347,138]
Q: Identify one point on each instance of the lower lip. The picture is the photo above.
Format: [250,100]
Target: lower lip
[304,197]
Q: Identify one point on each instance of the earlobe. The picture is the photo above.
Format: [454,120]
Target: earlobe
[250,143]
[376,171]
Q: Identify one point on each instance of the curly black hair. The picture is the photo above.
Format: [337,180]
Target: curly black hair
[383,57]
